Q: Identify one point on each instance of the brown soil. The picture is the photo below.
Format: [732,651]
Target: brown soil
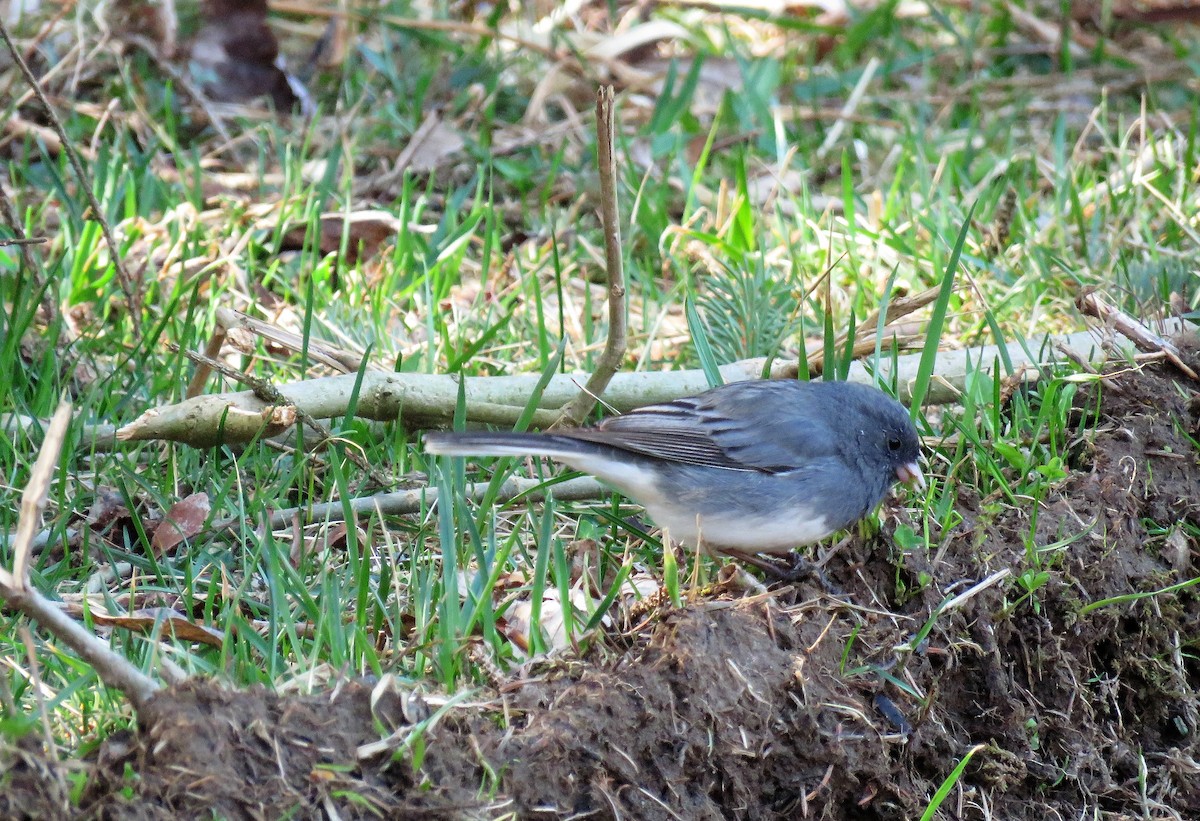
[784,705]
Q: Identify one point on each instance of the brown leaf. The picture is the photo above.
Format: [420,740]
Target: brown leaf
[169,621]
[1146,11]
[430,145]
[184,520]
[366,231]
[155,22]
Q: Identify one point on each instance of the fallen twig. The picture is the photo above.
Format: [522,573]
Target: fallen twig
[1146,340]
[609,361]
[422,498]
[113,669]
[428,400]
[282,409]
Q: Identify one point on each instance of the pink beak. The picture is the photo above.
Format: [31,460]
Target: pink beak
[911,474]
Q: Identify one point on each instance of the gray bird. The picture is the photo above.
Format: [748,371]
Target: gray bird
[745,468]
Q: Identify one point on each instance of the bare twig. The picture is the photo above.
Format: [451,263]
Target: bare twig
[131,294]
[270,394]
[15,591]
[8,212]
[852,103]
[114,670]
[35,677]
[211,351]
[422,498]
[609,361]
[318,350]
[169,25]
[1146,340]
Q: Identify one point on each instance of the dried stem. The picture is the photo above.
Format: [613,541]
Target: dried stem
[127,285]
[114,670]
[1146,340]
[211,351]
[417,499]
[610,359]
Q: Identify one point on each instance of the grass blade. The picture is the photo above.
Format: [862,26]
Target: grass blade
[937,320]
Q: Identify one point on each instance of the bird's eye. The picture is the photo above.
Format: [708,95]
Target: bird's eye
[894,443]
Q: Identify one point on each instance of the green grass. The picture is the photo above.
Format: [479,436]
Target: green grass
[716,271]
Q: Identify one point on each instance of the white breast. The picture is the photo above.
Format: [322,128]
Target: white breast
[779,534]
[788,528]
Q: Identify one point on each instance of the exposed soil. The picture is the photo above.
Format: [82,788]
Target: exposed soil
[789,705]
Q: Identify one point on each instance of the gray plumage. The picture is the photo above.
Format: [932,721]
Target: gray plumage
[748,467]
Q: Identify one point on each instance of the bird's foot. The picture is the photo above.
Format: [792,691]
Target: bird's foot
[798,569]
[795,568]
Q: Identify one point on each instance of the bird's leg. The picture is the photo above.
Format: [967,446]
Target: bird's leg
[790,571]
[772,569]
[801,568]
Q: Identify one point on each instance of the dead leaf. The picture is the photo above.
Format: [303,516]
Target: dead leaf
[168,621]
[366,231]
[143,620]
[431,144]
[517,621]
[107,509]
[184,520]
[1145,11]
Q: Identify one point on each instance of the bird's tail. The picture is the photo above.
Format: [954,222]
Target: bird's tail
[482,443]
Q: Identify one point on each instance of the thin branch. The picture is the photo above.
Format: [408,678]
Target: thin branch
[1146,340]
[203,370]
[85,182]
[318,350]
[610,359]
[114,670]
[423,498]
[429,400]
[35,678]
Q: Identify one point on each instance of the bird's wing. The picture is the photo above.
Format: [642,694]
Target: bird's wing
[757,427]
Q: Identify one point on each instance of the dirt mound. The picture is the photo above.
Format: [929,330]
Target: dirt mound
[788,704]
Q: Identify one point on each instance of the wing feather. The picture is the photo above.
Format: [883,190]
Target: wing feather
[755,427]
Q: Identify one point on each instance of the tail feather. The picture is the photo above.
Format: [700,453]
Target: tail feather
[471,443]
[627,473]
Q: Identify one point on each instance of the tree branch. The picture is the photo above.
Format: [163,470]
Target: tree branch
[429,400]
